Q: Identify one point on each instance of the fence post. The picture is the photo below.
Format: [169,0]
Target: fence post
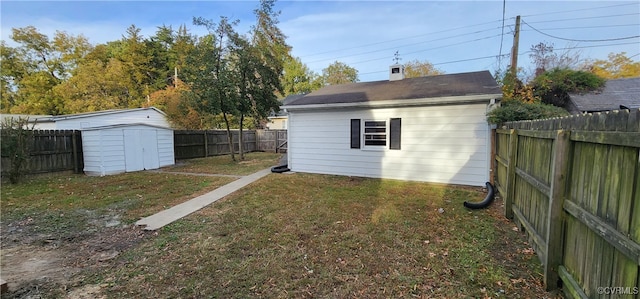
[206,144]
[555,215]
[74,151]
[511,174]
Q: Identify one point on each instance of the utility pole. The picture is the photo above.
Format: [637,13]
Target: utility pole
[514,49]
[175,79]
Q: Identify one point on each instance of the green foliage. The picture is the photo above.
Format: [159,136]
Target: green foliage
[517,110]
[297,78]
[17,138]
[339,73]
[553,87]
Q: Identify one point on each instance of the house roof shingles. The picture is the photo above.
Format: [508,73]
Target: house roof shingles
[617,92]
[450,85]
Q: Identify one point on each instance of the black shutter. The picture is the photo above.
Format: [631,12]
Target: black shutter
[355,133]
[394,133]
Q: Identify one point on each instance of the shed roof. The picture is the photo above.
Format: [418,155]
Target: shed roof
[616,93]
[95,113]
[429,87]
[125,126]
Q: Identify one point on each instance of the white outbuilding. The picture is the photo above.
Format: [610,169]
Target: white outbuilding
[431,129]
[149,115]
[122,148]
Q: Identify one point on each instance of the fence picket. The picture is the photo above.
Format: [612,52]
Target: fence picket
[591,220]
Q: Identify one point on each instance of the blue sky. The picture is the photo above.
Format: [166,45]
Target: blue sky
[456,36]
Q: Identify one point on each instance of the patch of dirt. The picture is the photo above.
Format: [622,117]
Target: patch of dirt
[35,265]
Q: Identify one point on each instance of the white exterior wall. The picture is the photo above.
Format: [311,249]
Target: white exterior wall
[103,151]
[166,154]
[441,144]
[104,148]
[144,116]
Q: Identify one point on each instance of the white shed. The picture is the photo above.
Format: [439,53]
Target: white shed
[125,148]
[430,129]
[151,116]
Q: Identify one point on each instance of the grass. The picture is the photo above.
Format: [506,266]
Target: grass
[223,165]
[297,235]
[306,235]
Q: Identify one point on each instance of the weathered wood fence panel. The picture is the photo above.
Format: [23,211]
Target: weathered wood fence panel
[272,140]
[573,184]
[51,151]
[196,144]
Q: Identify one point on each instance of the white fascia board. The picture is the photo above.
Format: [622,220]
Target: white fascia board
[400,103]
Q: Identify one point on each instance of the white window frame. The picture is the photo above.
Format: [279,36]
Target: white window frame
[364,135]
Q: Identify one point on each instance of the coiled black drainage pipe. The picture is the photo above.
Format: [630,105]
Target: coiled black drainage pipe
[280,168]
[483,204]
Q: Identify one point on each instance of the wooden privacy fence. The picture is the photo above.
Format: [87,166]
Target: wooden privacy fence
[51,150]
[196,144]
[573,184]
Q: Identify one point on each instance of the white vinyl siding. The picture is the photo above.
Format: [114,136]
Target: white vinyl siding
[116,149]
[441,144]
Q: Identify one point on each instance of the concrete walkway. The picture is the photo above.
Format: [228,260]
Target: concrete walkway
[167,216]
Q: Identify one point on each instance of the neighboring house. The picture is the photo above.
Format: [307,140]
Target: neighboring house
[431,129]
[151,116]
[278,120]
[617,94]
[125,148]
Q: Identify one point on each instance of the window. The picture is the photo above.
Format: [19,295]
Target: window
[375,133]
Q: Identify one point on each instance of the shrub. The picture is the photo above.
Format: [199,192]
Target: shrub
[516,110]
[16,144]
[553,87]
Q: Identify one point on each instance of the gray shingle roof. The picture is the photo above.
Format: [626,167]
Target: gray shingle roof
[450,85]
[616,92]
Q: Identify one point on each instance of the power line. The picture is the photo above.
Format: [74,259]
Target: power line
[405,45]
[591,27]
[399,39]
[430,49]
[582,9]
[586,18]
[581,40]
[504,5]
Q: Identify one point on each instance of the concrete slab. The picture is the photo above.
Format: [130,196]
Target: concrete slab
[170,215]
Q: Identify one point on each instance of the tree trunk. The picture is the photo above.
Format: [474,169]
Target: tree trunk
[241,139]
[229,137]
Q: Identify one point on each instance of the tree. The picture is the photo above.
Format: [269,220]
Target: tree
[544,58]
[97,86]
[618,66]
[297,78]
[339,73]
[553,87]
[417,68]
[17,143]
[209,72]
[175,102]
[32,69]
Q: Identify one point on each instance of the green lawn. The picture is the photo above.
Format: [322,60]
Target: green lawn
[223,165]
[287,235]
[303,235]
